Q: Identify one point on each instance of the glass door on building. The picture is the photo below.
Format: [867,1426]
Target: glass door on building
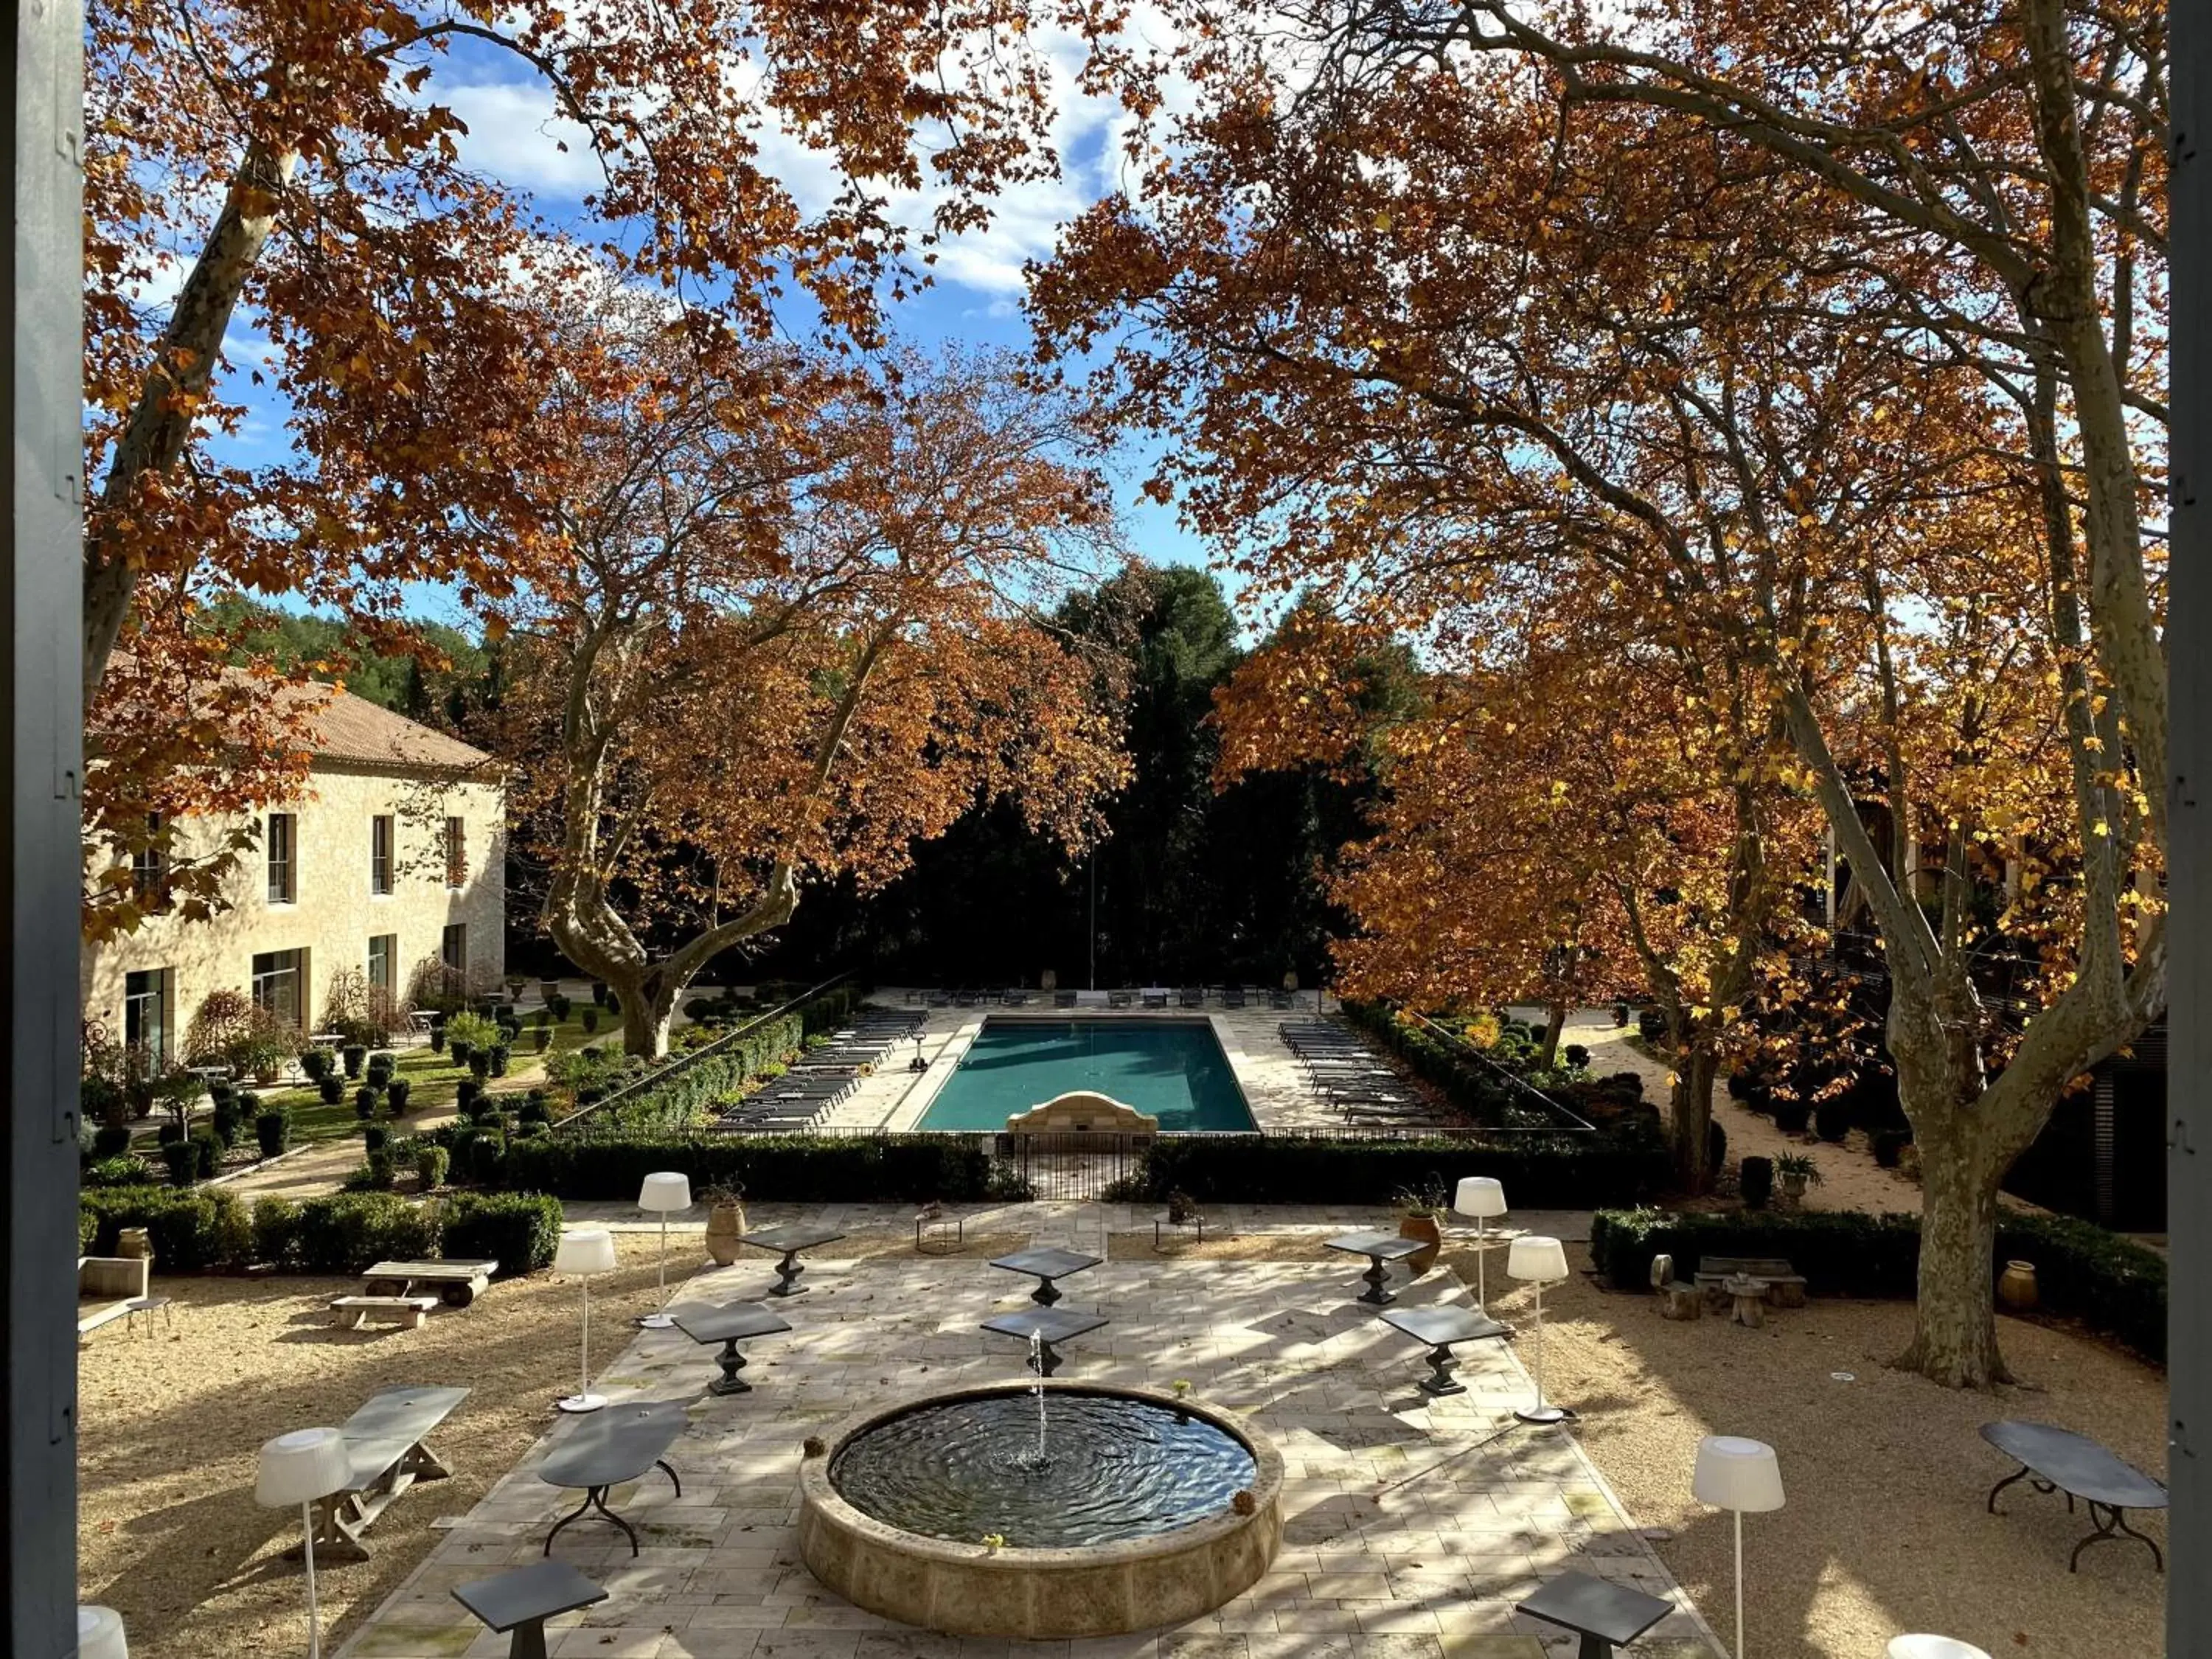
[280,983]
[146,1018]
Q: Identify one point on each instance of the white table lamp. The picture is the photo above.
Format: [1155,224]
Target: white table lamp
[584,1251]
[298,1468]
[1540,1262]
[1737,1474]
[1933,1647]
[99,1634]
[665,1193]
[1483,1198]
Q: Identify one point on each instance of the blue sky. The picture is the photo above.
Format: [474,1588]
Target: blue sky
[976,300]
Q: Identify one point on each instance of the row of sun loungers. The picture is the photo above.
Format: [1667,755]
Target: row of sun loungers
[1127,996]
[1351,1077]
[823,1079]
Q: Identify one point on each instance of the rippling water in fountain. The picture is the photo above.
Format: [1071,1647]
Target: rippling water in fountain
[1117,1469]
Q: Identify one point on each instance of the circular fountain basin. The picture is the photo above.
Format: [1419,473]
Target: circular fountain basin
[1129,1520]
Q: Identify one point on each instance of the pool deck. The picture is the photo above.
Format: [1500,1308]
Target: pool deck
[1413,1524]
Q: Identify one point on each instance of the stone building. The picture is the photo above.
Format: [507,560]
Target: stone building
[391,861]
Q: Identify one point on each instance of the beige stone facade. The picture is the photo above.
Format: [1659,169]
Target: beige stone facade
[352,874]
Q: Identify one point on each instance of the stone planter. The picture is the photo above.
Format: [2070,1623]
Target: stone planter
[725,1225]
[2016,1288]
[1425,1228]
[1793,1189]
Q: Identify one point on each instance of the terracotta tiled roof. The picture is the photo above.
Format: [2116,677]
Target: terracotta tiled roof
[352,731]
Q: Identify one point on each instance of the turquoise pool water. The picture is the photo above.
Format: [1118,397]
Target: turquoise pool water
[1173,1070]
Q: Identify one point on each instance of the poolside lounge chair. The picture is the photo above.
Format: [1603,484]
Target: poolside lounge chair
[1063,999]
[1124,997]
[1278,999]
[1156,999]
[1191,996]
[1233,996]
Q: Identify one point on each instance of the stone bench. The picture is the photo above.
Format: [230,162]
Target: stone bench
[352,1312]
[1785,1287]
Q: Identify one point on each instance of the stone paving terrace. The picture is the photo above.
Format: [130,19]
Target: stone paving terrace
[1412,1525]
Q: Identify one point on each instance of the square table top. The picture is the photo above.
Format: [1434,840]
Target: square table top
[614,1444]
[1596,1608]
[1051,1324]
[1046,1263]
[1386,1247]
[791,1238]
[728,1322]
[1443,1324]
[536,1591]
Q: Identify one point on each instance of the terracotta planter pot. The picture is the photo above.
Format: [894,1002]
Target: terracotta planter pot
[725,1225]
[1425,1228]
[2016,1290]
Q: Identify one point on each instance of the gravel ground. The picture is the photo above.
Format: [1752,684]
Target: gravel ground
[170,1426]
[1883,1530]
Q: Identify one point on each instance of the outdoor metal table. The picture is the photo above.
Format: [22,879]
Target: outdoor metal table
[1046,1265]
[1378,1248]
[517,1604]
[149,1305]
[2053,1459]
[924,1223]
[1603,1614]
[729,1325]
[608,1448]
[790,1241]
[1045,1326]
[1440,1328]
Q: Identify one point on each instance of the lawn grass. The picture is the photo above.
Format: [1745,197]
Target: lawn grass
[432,1079]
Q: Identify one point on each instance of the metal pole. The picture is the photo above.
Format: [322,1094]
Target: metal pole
[1738,1584]
[39,865]
[2189,862]
[1094,918]
[314,1616]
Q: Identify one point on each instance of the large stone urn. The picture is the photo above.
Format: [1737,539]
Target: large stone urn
[725,1225]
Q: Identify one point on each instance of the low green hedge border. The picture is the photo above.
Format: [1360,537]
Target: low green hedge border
[792,1168]
[1540,1171]
[2109,1283]
[193,1231]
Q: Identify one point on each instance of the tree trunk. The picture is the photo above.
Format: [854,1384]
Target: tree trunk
[1954,1338]
[1554,1024]
[1692,1115]
[161,424]
[647,1010]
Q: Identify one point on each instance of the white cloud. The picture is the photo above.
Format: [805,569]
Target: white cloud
[515,134]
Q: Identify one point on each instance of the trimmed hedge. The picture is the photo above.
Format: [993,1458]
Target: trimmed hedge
[349,1231]
[189,1229]
[1539,1171]
[519,1230]
[2084,1272]
[787,1168]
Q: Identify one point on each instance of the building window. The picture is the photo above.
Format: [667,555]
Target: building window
[457,853]
[383,951]
[280,983]
[146,1017]
[453,948]
[150,867]
[379,854]
[284,887]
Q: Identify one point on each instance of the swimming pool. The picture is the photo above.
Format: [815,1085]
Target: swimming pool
[1173,1070]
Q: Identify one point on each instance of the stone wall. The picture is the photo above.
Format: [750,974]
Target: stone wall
[334,914]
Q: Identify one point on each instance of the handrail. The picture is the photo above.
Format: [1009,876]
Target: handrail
[684,1062]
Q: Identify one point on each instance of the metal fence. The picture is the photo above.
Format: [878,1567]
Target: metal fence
[1072,1165]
